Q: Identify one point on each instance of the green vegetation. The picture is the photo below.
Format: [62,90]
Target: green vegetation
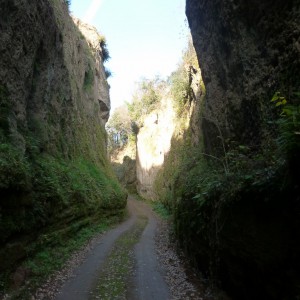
[146,99]
[228,198]
[213,207]
[121,147]
[289,125]
[190,174]
[161,210]
[119,129]
[14,169]
[50,184]
[55,178]
[49,258]
[104,51]
[204,178]
[126,120]
[47,198]
[89,78]
[181,79]
[124,124]
[180,88]
[157,206]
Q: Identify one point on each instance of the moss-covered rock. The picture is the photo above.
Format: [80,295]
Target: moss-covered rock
[54,102]
[235,194]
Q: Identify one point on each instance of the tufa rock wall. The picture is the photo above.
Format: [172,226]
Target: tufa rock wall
[101,88]
[54,102]
[247,51]
[123,161]
[244,229]
[50,74]
[170,132]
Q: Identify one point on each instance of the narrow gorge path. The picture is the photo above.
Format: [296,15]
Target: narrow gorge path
[123,264]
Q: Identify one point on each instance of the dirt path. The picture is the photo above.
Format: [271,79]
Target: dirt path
[123,264]
[149,282]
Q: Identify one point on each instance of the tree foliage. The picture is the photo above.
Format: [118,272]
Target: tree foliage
[127,119]
[289,124]
[119,127]
[104,50]
[146,98]
[181,79]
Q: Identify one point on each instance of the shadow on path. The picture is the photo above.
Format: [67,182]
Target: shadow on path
[123,264]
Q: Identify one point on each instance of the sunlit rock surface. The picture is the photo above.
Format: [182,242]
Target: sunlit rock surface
[54,102]
[153,143]
[100,89]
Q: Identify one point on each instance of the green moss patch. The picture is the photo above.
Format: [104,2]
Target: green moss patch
[49,259]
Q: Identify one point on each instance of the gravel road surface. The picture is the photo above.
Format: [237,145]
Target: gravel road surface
[144,277]
[137,260]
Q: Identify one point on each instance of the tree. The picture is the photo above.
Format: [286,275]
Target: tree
[119,127]
[146,98]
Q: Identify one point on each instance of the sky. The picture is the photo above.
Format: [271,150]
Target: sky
[145,38]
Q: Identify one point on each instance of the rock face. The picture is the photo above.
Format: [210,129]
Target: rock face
[49,71]
[247,51]
[153,143]
[245,236]
[54,102]
[161,138]
[100,87]
[124,165]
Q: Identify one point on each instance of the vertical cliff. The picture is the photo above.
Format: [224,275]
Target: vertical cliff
[54,102]
[231,175]
[237,208]
[247,51]
[100,89]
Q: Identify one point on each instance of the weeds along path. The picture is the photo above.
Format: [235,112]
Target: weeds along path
[123,265]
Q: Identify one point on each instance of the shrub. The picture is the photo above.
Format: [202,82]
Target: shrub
[181,79]
[180,88]
[145,99]
[118,128]
[289,125]
[104,51]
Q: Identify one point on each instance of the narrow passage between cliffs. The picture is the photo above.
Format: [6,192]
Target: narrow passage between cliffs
[123,264]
